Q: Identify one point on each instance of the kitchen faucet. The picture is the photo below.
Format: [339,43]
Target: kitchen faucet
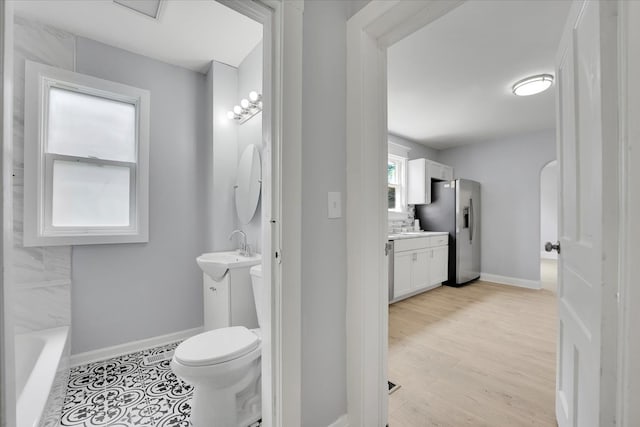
[244,248]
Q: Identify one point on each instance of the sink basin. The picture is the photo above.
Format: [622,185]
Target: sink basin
[217,264]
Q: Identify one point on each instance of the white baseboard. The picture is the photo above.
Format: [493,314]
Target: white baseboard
[131,347]
[343,421]
[512,281]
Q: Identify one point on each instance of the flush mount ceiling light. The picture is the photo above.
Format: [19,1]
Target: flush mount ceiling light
[532,85]
[150,8]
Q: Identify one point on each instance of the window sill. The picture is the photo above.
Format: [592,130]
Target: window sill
[85,239]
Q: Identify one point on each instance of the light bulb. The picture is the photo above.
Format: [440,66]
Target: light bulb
[253,96]
[244,103]
[231,115]
[237,109]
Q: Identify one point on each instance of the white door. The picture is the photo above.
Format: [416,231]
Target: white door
[580,108]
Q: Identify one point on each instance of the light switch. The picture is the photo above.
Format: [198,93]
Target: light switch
[335,205]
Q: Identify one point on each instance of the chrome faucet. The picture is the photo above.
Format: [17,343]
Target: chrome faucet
[244,248]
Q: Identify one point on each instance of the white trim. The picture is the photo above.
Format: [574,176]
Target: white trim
[131,347]
[343,421]
[7,353]
[396,149]
[511,281]
[548,255]
[628,375]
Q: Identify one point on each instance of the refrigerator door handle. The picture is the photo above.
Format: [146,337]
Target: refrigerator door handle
[471,221]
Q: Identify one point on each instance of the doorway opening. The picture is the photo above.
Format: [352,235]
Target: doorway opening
[463,151]
[269,15]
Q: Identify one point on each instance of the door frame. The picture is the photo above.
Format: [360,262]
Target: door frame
[628,374]
[369,33]
[281,205]
[282,79]
[7,352]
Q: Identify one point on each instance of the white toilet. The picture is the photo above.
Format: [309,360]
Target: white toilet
[223,365]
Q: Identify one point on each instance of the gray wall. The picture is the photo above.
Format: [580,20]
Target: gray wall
[509,172]
[250,132]
[128,292]
[416,150]
[323,240]
[354,6]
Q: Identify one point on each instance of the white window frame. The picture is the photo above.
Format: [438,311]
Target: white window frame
[401,187]
[38,164]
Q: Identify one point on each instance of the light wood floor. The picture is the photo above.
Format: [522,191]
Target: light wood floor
[480,355]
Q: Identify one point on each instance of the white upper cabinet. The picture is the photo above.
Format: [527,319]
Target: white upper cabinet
[420,174]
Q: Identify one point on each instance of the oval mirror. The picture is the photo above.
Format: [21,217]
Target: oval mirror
[248,184]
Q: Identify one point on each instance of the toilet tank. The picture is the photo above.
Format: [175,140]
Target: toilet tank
[258,292]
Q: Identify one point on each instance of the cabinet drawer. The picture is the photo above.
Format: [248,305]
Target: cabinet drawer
[411,244]
[438,241]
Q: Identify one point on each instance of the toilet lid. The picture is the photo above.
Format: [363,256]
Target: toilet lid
[217,346]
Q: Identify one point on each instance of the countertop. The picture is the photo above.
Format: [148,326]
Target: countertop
[414,234]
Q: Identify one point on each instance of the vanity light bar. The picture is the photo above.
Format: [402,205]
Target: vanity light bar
[247,108]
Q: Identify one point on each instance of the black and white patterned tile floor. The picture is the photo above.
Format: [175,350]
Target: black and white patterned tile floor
[125,391]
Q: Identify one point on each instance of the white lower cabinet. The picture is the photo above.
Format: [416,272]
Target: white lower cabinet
[418,265]
[229,302]
[402,272]
[421,269]
[439,264]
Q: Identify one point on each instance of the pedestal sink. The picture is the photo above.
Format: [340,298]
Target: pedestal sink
[227,292]
[217,264]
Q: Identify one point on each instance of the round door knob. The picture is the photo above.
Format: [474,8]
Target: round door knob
[552,247]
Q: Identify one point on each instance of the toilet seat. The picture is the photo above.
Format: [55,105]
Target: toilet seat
[216,346]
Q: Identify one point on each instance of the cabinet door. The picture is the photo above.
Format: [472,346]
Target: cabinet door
[416,182]
[402,264]
[216,303]
[439,264]
[421,267]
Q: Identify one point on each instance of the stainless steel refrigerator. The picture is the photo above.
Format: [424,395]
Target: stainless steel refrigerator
[455,208]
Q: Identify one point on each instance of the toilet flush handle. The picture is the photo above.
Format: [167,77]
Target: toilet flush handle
[212,288]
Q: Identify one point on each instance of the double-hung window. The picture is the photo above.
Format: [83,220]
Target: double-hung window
[397,183]
[86,159]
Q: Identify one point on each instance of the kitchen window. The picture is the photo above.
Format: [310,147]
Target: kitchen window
[397,183]
[86,159]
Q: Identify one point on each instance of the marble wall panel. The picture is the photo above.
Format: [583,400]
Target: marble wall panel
[42,307]
[42,275]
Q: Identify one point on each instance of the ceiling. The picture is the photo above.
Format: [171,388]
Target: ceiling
[450,82]
[188,33]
